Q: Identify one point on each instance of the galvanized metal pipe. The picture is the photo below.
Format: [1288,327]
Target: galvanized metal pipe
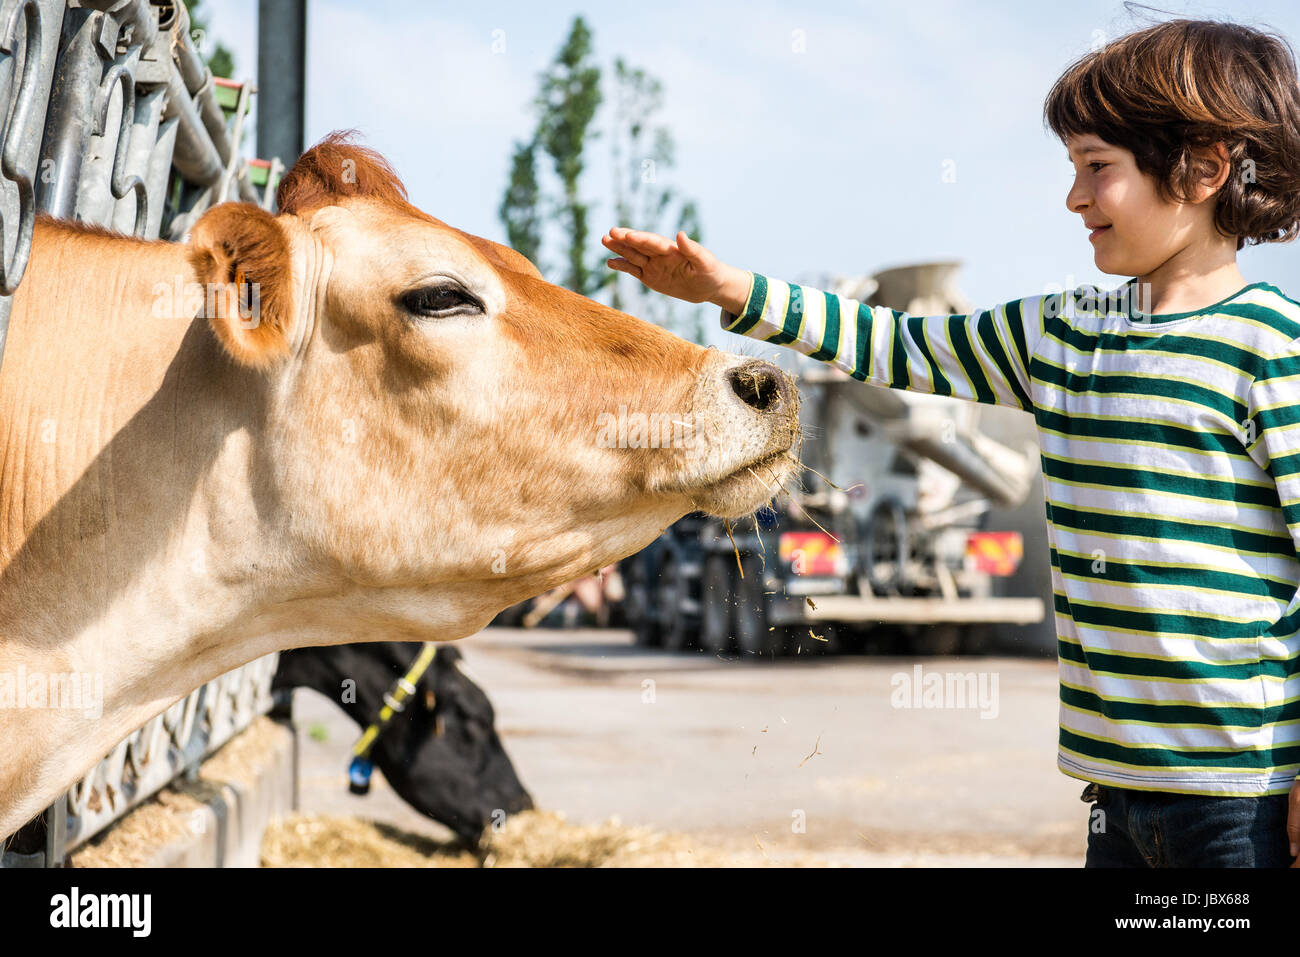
[77,73]
[143,141]
[22,145]
[114,111]
[88,45]
[196,80]
[197,158]
[159,170]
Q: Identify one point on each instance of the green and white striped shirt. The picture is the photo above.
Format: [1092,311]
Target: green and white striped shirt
[1171,461]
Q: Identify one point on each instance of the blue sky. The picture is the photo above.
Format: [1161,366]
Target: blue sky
[825,159]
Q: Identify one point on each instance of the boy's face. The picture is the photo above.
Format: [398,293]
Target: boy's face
[1132,229]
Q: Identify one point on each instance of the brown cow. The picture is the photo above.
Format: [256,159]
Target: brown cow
[347,422]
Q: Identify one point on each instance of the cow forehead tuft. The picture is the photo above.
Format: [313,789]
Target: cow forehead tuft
[335,168]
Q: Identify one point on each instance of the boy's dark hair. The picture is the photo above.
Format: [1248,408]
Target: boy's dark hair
[1166,90]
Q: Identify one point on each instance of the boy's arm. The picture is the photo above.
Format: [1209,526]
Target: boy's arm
[982,357]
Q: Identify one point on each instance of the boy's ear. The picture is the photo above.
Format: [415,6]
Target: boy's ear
[1213,166]
[240,255]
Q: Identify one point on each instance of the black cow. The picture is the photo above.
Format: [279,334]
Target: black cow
[448,762]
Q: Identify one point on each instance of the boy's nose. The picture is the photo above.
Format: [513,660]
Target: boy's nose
[1077,199]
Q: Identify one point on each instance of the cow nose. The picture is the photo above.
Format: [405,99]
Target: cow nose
[761,386]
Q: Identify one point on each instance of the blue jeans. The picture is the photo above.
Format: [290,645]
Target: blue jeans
[1159,829]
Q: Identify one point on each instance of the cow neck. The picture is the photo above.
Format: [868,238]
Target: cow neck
[124,532]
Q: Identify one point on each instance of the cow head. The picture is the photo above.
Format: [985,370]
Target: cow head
[441,753]
[372,427]
[440,419]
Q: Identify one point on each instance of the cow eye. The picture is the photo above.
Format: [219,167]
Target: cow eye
[445,300]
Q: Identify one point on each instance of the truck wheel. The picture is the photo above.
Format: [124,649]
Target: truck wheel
[755,635]
[678,628]
[717,603]
[640,603]
[884,548]
[978,639]
[941,639]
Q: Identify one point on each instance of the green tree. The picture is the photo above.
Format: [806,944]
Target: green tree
[519,206]
[567,103]
[641,152]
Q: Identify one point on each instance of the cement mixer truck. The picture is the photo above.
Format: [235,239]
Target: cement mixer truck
[886,530]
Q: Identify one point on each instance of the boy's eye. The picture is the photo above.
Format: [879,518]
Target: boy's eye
[1095,166]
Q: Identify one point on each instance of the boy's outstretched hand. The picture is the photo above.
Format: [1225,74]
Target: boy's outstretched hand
[683,269]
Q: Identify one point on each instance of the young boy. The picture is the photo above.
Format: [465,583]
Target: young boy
[1168,418]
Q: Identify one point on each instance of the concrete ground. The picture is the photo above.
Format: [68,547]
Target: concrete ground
[809,756]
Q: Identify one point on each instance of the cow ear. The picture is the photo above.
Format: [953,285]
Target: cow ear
[240,255]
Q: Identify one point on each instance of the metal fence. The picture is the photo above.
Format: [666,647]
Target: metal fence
[111,117]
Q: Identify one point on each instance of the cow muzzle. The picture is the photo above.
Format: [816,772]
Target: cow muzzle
[745,413]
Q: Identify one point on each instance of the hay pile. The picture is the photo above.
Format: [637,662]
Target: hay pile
[168,816]
[312,840]
[530,839]
[135,840]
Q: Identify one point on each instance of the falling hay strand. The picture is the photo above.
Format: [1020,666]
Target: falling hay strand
[761,547]
[805,511]
[829,482]
[814,751]
[819,525]
[727,525]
